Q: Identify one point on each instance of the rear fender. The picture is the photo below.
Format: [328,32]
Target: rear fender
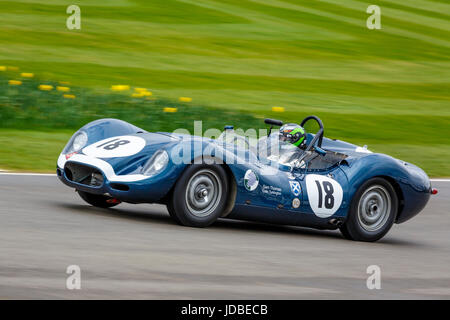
[411,189]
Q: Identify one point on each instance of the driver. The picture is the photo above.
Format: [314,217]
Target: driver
[293,133]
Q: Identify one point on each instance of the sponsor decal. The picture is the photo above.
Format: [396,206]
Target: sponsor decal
[251,180]
[271,190]
[295,203]
[295,188]
[324,195]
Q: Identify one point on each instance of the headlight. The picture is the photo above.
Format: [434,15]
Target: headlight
[79,141]
[156,164]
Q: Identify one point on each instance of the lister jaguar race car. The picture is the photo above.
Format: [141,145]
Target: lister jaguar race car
[326,184]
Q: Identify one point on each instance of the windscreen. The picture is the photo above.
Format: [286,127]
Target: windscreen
[275,149]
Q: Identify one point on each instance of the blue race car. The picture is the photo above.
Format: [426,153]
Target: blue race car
[287,177]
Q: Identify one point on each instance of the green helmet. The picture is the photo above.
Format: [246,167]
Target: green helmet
[293,133]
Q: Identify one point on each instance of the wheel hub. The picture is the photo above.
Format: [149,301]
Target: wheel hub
[374,208]
[203,193]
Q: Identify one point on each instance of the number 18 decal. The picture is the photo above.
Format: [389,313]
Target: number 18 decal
[324,194]
[121,146]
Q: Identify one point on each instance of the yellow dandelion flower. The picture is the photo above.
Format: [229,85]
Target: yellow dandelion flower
[120,87]
[277,109]
[143,91]
[63,89]
[185,99]
[171,110]
[27,75]
[137,95]
[2,68]
[45,87]
[15,82]
[69,96]
[13,68]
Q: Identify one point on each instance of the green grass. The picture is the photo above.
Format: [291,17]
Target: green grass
[26,106]
[387,88]
[30,150]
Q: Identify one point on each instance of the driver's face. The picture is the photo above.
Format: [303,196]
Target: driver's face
[285,137]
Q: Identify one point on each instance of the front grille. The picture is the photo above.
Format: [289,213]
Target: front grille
[83,174]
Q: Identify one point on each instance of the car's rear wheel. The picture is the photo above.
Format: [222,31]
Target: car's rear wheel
[200,195]
[98,200]
[372,211]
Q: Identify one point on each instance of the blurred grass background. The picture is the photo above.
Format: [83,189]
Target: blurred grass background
[386,88]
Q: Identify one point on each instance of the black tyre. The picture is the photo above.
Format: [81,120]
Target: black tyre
[97,200]
[171,210]
[200,195]
[372,211]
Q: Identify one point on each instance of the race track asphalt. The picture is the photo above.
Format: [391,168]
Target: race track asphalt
[136,251]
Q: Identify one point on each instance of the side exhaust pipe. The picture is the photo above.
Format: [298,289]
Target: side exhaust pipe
[336,222]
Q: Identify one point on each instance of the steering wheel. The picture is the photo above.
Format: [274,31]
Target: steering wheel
[319,135]
[315,143]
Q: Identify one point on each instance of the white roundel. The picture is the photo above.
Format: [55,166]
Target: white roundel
[121,146]
[324,194]
[251,180]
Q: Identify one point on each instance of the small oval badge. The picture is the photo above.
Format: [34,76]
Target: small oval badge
[295,203]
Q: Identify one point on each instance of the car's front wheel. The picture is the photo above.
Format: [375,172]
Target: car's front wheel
[372,211]
[200,195]
[98,200]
